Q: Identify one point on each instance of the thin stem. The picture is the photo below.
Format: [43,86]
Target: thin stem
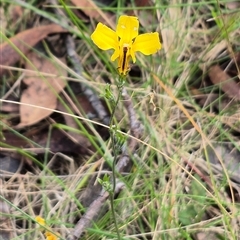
[115,152]
[112,136]
[114,215]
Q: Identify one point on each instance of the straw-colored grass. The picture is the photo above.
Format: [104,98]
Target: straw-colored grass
[174,190]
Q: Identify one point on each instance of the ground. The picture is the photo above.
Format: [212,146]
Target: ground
[172,136]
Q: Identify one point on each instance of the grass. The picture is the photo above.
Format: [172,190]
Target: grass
[173,191]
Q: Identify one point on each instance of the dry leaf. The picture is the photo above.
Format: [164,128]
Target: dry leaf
[41,91]
[230,157]
[16,12]
[143,3]
[23,42]
[233,4]
[93,11]
[9,107]
[224,81]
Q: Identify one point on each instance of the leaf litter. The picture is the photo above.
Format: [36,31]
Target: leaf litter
[34,134]
[19,45]
[42,92]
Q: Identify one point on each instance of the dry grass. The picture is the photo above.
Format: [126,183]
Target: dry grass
[175,190]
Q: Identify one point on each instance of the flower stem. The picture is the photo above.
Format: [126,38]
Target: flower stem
[115,151]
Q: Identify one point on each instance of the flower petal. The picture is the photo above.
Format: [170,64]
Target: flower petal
[104,37]
[127,28]
[50,236]
[40,220]
[115,54]
[147,43]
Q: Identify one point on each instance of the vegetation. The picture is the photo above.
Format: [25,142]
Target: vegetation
[63,128]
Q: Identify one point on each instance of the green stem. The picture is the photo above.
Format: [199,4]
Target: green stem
[115,152]
[114,215]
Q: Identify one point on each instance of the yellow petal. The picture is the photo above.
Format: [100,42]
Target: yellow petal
[147,43]
[50,236]
[40,220]
[127,28]
[132,54]
[115,54]
[104,37]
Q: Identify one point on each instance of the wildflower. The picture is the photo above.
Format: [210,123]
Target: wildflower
[50,236]
[125,41]
[40,220]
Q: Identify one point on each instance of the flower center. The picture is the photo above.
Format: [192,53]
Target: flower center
[125,49]
[124,58]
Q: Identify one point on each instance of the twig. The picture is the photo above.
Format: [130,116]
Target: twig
[91,96]
[92,213]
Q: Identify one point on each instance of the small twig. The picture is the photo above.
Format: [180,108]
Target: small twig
[89,93]
[92,213]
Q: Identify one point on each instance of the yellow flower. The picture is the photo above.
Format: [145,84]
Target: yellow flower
[40,220]
[125,41]
[50,236]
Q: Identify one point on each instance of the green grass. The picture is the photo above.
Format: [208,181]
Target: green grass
[173,190]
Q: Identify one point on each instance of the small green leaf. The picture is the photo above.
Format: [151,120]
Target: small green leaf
[187,215]
[108,93]
[105,182]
